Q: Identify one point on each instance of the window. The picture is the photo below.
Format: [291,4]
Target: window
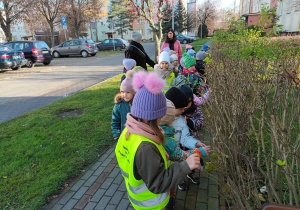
[106,41]
[298,7]
[9,45]
[149,31]
[102,23]
[290,8]
[41,45]
[26,45]
[19,46]
[67,44]
[76,42]
[281,8]
[90,41]
[103,33]
[141,31]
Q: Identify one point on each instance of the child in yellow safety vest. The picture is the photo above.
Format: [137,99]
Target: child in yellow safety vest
[164,70]
[140,153]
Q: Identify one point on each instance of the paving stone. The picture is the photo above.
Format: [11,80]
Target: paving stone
[107,183]
[125,195]
[181,195]
[102,178]
[98,195]
[106,162]
[203,183]
[213,203]
[111,190]
[96,165]
[87,174]
[118,180]
[130,208]
[80,192]
[82,202]
[213,191]
[123,204]
[78,184]
[90,181]
[114,161]
[90,206]
[103,202]
[110,207]
[110,150]
[103,157]
[99,170]
[112,155]
[193,189]
[116,198]
[114,172]
[190,202]
[57,206]
[109,168]
[93,188]
[66,197]
[122,187]
[71,203]
[179,204]
[202,196]
[202,206]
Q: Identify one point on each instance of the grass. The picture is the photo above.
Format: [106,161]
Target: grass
[197,44]
[40,150]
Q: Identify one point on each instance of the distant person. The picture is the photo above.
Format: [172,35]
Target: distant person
[172,42]
[137,52]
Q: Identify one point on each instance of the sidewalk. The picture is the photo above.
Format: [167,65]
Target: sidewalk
[102,187]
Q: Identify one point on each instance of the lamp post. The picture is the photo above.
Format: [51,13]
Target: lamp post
[112,27]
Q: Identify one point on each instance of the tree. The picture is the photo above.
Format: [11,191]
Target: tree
[204,31]
[49,9]
[121,16]
[208,12]
[81,12]
[13,11]
[151,11]
[180,18]
[167,17]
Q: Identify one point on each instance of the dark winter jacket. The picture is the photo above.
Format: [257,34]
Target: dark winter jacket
[136,51]
[119,117]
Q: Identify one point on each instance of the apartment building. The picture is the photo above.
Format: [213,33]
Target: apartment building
[287,10]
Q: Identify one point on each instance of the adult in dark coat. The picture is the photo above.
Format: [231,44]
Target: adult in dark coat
[137,52]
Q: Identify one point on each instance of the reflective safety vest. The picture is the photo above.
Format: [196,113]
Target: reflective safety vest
[169,82]
[138,193]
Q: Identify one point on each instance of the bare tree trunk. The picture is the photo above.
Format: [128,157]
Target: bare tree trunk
[7,31]
[52,34]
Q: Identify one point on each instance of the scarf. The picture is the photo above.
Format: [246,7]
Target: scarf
[188,71]
[163,73]
[143,129]
[171,44]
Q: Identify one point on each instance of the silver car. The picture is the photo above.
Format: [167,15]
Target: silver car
[83,47]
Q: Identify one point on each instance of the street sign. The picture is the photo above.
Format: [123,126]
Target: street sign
[64,21]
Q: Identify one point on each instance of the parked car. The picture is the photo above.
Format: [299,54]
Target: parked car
[111,44]
[125,42]
[83,47]
[183,39]
[192,38]
[34,51]
[10,58]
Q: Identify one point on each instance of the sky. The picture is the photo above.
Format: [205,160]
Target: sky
[224,3]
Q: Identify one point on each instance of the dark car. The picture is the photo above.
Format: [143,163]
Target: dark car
[10,58]
[111,44]
[34,51]
[183,39]
[83,47]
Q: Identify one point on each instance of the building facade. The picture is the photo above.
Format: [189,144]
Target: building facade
[287,10]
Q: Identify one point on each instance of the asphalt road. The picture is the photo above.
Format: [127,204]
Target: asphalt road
[28,89]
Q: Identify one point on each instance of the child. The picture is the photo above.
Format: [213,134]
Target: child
[175,58]
[174,151]
[164,70]
[123,102]
[182,134]
[139,151]
[200,56]
[128,65]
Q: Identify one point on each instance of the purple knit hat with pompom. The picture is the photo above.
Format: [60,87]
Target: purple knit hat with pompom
[149,102]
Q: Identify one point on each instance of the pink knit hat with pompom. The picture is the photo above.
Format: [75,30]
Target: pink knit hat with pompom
[149,102]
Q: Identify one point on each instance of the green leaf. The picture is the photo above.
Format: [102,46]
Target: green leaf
[280,162]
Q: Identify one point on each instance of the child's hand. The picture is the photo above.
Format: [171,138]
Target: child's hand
[193,161]
[200,145]
[207,149]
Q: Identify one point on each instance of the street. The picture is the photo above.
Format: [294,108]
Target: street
[28,89]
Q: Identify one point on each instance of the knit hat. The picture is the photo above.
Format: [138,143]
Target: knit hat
[191,52]
[174,56]
[188,61]
[136,36]
[164,56]
[171,59]
[177,97]
[167,49]
[205,47]
[149,102]
[187,92]
[138,68]
[128,63]
[181,62]
[187,46]
[201,55]
[170,115]
[171,52]
[127,83]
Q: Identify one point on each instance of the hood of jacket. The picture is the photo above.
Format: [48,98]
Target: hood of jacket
[163,73]
[169,130]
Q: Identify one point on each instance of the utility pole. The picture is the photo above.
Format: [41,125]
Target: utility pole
[173,19]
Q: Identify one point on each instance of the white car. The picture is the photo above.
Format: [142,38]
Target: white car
[125,42]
